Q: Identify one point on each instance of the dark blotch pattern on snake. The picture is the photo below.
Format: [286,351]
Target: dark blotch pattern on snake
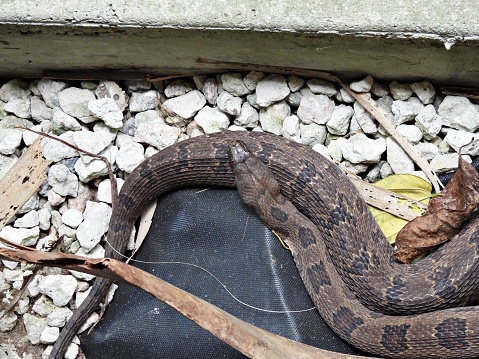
[351,237]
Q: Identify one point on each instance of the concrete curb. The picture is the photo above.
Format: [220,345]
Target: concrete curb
[438,40]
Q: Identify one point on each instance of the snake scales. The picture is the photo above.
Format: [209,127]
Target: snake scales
[342,223]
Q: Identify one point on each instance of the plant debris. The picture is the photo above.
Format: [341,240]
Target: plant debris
[444,217]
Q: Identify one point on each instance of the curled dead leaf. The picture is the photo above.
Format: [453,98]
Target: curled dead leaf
[444,217]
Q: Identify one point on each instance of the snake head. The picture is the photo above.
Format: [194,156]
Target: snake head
[253,178]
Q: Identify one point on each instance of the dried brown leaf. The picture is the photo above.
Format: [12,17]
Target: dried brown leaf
[445,214]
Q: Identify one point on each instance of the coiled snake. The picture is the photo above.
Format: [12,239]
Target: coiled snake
[341,233]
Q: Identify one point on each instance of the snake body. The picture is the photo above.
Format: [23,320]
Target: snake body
[341,237]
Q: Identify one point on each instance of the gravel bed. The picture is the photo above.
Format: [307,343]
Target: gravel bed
[125,122]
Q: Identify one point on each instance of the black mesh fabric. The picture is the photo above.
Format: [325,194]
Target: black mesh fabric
[214,230]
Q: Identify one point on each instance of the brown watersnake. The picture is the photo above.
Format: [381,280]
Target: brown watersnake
[325,195]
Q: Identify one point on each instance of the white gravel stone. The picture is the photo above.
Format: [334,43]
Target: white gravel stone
[32,287]
[386,170]
[94,142]
[229,103]
[363,85]
[405,111]
[93,319]
[74,101]
[137,85]
[271,89]
[248,116]
[62,122]
[186,106]
[427,150]
[252,78]
[59,288]
[364,119]
[374,173]
[251,98]
[361,149]
[80,297]
[15,277]
[7,322]
[340,120]
[466,142]
[212,119]
[30,205]
[49,335]
[318,86]
[72,217]
[49,90]
[132,154]
[40,111]
[429,122]
[24,236]
[335,148]
[199,81]
[72,351]
[30,137]
[425,91]
[295,83]
[312,134]
[322,149]
[399,161]
[28,220]
[444,147]
[294,98]
[34,326]
[104,189]
[6,162]
[143,101]
[210,90]
[152,129]
[95,224]
[291,128]
[96,168]
[10,265]
[355,168]
[19,107]
[459,113]
[109,89]
[234,84]
[236,128]
[58,317]
[410,132]
[15,88]
[54,199]
[315,108]
[62,180]
[44,219]
[106,131]
[107,110]
[272,117]
[344,96]
[379,90]
[386,104]
[10,140]
[56,151]
[400,91]
[178,87]
[446,162]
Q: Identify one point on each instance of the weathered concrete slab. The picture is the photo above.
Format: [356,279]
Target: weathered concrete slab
[119,39]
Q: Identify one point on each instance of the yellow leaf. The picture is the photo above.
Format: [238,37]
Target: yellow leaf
[407,185]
